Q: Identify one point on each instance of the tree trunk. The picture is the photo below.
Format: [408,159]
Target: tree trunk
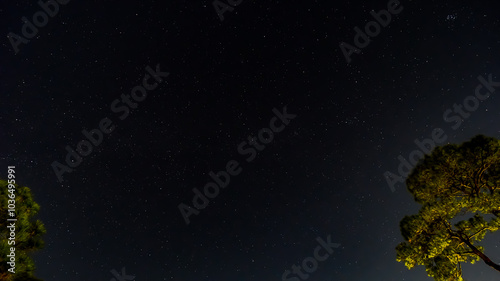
[480,254]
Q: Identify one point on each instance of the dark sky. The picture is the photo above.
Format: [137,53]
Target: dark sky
[320,176]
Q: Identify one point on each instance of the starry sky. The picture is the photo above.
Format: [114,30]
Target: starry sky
[320,176]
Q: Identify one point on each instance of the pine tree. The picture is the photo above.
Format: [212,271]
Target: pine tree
[458,187]
[28,233]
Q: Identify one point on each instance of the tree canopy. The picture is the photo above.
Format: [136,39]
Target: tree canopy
[28,233]
[458,187]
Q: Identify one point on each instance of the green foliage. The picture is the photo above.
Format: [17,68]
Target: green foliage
[28,234]
[454,182]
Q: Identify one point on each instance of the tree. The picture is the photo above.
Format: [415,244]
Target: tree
[459,189]
[28,233]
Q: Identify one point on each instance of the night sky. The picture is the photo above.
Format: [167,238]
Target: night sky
[320,175]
